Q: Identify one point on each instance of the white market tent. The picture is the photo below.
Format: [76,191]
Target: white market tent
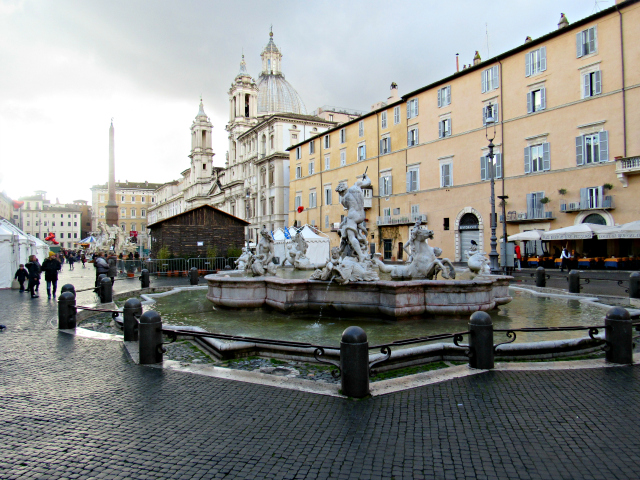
[39,248]
[628,230]
[15,248]
[319,244]
[581,231]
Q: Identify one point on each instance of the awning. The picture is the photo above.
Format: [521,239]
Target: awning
[528,236]
[582,231]
[628,230]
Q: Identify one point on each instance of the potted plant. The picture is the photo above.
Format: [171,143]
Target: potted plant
[562,191]
[607,186]
[544,200]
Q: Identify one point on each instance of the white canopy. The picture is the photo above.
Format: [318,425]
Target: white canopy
[529,235]
[581,231]
[318,242]
[628,230]
[15,248]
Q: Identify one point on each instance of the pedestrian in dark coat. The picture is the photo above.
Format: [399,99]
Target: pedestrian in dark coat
[33,266]
[112,260]
[21,275]
[51,266]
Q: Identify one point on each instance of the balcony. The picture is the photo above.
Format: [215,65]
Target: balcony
[402,219]
[368,202]
[535,215]
[596,203]
[627,166]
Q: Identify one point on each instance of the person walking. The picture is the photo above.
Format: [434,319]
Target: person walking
[101,267]
[518,257]
[21,275]
[51,266]
[112,261]
[83,259]
[33,266]
[71,260]
[564,260]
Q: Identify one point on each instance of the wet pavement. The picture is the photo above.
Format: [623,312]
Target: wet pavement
[73,407]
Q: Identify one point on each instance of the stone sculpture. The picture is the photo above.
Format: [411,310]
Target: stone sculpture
[332,262]
[477,262]
[261,263]
[423,261]
[243,259]
[297,254]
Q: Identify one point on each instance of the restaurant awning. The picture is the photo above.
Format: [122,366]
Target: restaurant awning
[628,230]
[581,231]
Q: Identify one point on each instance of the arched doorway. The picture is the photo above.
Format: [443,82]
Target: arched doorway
[469,228]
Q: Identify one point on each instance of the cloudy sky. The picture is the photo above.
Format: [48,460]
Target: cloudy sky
[68,66]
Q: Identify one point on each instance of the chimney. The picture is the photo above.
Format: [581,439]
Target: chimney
[393,96]
[476,58]
[527,40]
[457,62]
[563,21]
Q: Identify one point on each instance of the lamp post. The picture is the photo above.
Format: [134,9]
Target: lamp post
[246,207]
[490,133]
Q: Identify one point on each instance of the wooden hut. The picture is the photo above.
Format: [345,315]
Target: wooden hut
[195,232]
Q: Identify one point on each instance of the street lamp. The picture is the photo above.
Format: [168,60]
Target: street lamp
[490,133]
[246,206]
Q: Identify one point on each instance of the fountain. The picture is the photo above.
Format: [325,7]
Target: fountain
[354,285]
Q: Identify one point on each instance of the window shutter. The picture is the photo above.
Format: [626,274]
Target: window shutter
[529,102]
[440,129]
[408,181]
[543,59]
[449,127]
[484,115]
[592,39]
[543,98]
[597,90]
[364,152]
[409,108]
[390,185]
[439,98]
[527,159]
[546,156]
[382,146]
[586,86]
[584,198]
[530,204]
[415,138]
[448,95]
[494,73]
[415,105]
[483,168]
[527,64]
[578,44]
[388,144]
[579,149]
[409,138]
[498,165]
[496,113]
[604,146]
[484,81]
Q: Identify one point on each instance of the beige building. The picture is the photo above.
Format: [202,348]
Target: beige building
[39,217]
[567,149]
[6,207]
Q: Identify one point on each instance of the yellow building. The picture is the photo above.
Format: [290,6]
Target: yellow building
[566,145]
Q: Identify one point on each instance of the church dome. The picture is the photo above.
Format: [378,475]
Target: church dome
[275,94]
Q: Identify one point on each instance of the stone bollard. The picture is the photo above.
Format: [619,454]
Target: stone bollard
[99,284]
[106,290]
[144,278]
[481,341]
[619,336]
[541,277]
[67,311]
[574,281]
[132,308]
[634,285]
[68,288]
[150,338]
[193,276]
[354,362]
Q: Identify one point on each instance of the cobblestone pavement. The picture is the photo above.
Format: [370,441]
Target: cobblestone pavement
[77,408]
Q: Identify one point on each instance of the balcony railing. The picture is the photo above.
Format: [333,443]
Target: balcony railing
[628,165]
[598,203]
[402,219]
[535,215]
[368,202]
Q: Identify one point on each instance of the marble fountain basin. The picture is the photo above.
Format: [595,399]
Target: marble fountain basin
[383,298]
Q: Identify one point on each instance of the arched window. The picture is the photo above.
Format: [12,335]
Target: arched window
[595,218]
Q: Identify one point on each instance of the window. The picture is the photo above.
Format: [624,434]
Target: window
[591,84]
[45,223]
[446,175]
[535,62]
[271,173]
[142,199]
[385,186]
[312,199]
[327,194]
[361,128]
[53,224]
[386,212]
[122,199]
[445,224]
[490,108]
[312,146]
[343,158]
[272,205]
[592,148]
[412,108]
[383,120]
[102,198]
[485,167]
[133,199]
[153,199]
[490,79]
[385,145]
[535,208]
[362,152]
[327,162]
[444,128]
[327,141]
[412,137]
[312,167]
[298,153]
[388,248]
[297,201]
[298,171]
[123,212]
[68,224]
[444,96]
[75,224]
[537,158]
[143,213]
[343,136]
[396,115]
[536,100]
[326,221]
[123,226]
[133,227]
[133,213]
[413,180]
[587,42]
[28,224]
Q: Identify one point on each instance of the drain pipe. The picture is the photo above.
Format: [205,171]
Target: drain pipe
[624,97]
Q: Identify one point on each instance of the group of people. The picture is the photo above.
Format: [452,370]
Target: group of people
[32,273]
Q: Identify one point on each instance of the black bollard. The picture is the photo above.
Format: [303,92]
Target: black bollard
[193,276]
[574,281]
[634,285]
[99,284]
[66,311]
[354,362]
[68,288]
[541,277]
[106,290]
[481,341]
[144,278]
[619,336]
[150,338]
[132,309]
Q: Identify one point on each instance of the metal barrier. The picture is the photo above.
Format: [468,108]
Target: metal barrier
[182,266]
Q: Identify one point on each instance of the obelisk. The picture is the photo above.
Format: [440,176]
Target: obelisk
[111,209]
